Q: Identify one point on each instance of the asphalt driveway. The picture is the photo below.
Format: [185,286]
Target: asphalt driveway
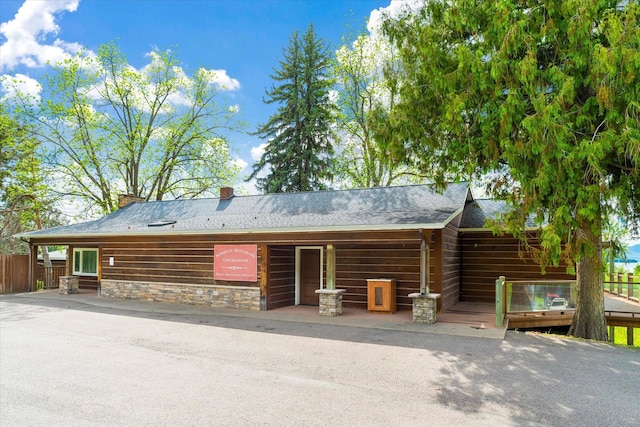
[70,363]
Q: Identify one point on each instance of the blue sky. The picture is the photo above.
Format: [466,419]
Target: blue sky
[242,39]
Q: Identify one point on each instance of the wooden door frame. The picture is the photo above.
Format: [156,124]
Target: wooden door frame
[298,249]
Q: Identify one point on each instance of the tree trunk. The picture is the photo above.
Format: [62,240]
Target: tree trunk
[45,256]
[589,320]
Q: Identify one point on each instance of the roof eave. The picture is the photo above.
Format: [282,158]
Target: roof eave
[451,217]
[381,227]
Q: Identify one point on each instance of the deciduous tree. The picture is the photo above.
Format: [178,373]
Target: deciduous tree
[365,97]
[109,128]
[546,94]
[25,200]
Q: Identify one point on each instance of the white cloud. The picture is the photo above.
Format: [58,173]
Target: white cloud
[395,9]
[250,188]
[240,163]
[28,31]
[176,99]
[256,152]
[181,95]
[24,85]
[220,79]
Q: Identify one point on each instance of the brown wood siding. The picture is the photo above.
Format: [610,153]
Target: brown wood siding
[357,263]
[173,261]
[281,285]
[88,282]
[450,267]
[189,259]
[485,257]
[435,285]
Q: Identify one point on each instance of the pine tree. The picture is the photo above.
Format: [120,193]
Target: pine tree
[299,149]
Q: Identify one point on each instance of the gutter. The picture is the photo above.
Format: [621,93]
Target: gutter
[160,231]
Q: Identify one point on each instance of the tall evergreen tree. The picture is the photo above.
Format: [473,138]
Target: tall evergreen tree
[545,94]
[299,149]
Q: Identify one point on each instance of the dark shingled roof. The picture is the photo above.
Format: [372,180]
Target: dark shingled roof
[477,212]
[382,208]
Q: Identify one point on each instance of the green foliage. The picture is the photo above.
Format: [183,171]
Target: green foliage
[620,336]
[10,135]
[613,235]
[108,128]
[365,98]
[299,136]
[26,203]
[542,95]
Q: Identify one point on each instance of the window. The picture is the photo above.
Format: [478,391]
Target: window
[85,262]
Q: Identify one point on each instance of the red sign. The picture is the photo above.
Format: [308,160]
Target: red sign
[238,263]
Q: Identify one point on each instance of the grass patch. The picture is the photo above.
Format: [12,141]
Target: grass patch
[620,336]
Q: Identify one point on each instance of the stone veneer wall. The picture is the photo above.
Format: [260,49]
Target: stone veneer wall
[424,308]
[68,285]
[330,302]
[241,297]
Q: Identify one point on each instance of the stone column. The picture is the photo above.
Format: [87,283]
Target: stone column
[330,302]
[424,308]
[68,285]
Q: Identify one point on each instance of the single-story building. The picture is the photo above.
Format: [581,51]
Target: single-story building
[268,251]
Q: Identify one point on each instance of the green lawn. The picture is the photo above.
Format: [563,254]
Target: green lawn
[620,336]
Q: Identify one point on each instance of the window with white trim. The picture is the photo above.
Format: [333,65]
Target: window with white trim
[85,261]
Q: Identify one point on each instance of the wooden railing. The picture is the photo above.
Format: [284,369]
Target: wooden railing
[532,300]
[535,303]
[49,277]
[538,295]
[624,285]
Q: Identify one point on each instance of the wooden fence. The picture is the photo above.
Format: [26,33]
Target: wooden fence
[49,277]
[14,273]
[624,285]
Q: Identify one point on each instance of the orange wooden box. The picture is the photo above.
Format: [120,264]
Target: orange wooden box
[381,295]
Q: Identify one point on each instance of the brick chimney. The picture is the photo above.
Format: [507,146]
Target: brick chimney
[125,199]
[226,193]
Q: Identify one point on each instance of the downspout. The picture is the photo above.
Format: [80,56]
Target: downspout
[424,263]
